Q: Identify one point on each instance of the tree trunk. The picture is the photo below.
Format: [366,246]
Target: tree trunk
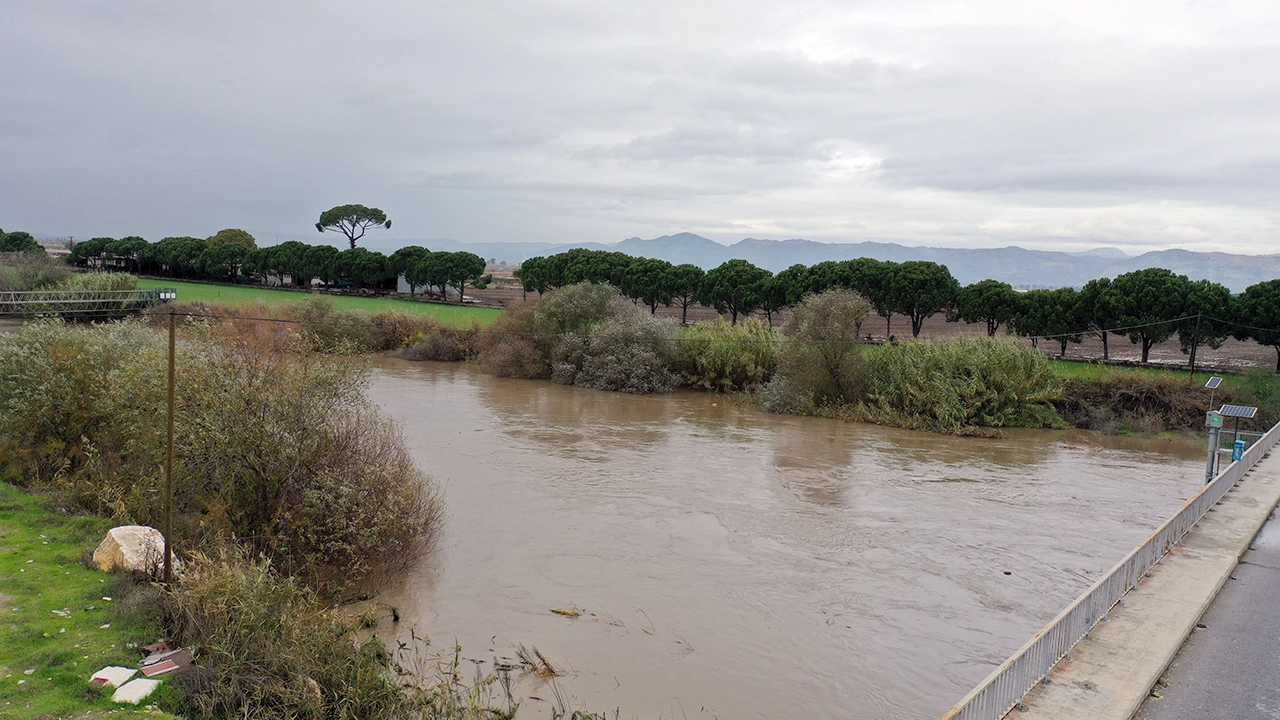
[733,313]
[916,324]
[992,326]
[1062,352]
[684,317]
[1278,358]
[1106,355]
[1146,349]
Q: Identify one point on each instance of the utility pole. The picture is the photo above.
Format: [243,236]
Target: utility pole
[1195,343]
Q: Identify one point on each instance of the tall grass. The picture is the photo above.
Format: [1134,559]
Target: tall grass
[724,357]
[99,281]
[960,384]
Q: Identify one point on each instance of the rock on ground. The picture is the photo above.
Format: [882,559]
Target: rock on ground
[133,548]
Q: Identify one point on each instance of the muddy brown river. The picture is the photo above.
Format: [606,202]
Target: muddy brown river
[733,564]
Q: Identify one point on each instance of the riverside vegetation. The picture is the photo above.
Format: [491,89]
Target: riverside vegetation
[291,492]
[587,334]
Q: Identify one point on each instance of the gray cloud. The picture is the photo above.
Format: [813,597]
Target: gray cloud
[1056,125]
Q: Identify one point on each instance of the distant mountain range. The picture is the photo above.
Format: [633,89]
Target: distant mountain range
[1014,265]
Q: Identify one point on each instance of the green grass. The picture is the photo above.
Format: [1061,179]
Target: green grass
[1088,371]
[40,565]
[453,315]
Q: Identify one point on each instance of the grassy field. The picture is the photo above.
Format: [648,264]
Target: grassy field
[61,620]
[452,315]
[1088,371]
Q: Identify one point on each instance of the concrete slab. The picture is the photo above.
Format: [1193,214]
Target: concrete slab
[113,675]
[135,691]
[1110,673]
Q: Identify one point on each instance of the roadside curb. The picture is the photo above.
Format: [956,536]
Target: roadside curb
[1108,675]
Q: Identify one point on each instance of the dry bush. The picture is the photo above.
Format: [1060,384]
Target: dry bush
[445,345]
[263,434]
[630,352]
[578,308]
[821,365]
[20,272]
[366,509]
[395,330]
[514,346]
[266,647]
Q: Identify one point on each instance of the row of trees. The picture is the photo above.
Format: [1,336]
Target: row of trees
[233,254]
[1146,306]
[19,241]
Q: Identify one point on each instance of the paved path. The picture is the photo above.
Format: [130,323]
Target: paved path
[1229,668]
[1108,674]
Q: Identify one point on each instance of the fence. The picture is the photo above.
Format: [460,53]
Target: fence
[81,302]
[1005,688]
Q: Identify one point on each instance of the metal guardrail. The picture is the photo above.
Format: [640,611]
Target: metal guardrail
[1005,688]
[81,302]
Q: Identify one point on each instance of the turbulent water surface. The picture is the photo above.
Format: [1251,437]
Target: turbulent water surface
[733,564]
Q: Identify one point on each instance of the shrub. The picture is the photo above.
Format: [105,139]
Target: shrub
[627,353]
[323,328]
[514,346]
[959,384]
[525,340]
[396,330]
[263,433]
[578,308]
[23,271]
[821,364]
[267,648]
[724,357]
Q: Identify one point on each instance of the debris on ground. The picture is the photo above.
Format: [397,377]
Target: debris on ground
[135,691]
[112,675]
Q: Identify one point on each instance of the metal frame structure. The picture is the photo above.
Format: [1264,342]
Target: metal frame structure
[1004,689]
[81,302]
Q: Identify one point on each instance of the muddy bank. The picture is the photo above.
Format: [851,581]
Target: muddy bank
[1134,403]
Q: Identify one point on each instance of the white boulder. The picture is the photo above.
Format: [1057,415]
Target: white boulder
[133,548]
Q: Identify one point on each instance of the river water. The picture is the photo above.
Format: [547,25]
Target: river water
[733,564]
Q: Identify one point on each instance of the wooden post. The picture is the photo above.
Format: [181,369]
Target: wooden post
[168,465]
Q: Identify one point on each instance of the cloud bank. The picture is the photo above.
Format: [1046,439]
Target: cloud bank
[1058,125]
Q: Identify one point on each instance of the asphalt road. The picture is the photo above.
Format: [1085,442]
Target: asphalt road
[1229,668]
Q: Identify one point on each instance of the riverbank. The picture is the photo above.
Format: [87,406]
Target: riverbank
[63,621]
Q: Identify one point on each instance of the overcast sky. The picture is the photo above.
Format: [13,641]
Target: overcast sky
[1054,125]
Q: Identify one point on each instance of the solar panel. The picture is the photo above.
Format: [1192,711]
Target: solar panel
[1238,411]
[1213,383]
